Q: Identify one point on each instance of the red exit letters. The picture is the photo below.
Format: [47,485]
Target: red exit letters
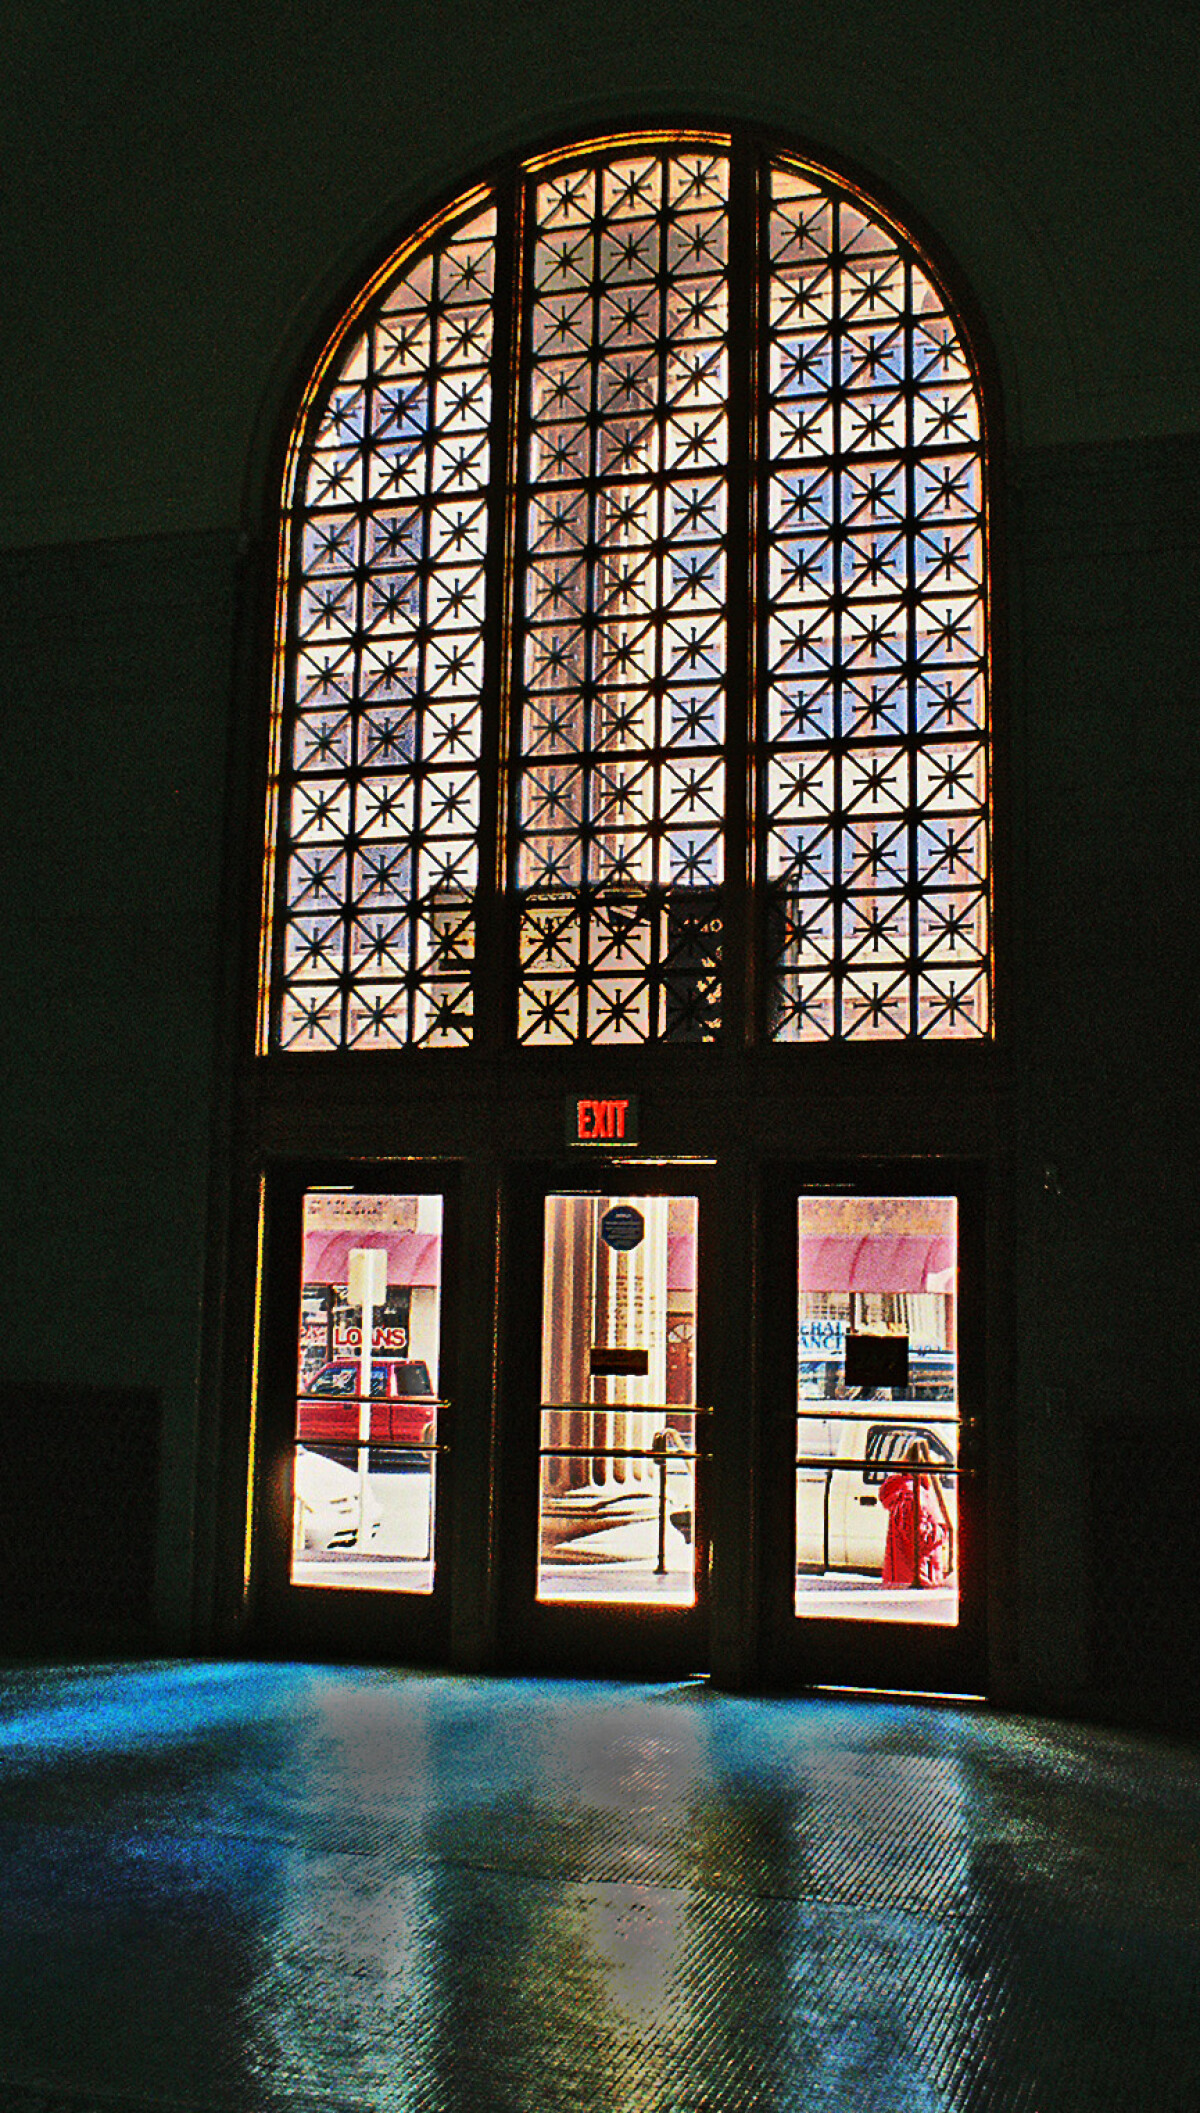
[601,1122]
[597,1121]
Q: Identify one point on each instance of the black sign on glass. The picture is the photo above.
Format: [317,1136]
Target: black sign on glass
[622,1227]
[606,1361]
[876,1361]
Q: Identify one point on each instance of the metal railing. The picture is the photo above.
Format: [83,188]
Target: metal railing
[659,1449]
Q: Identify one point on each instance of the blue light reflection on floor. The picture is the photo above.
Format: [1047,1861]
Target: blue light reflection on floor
[87,1709]
[277,1887]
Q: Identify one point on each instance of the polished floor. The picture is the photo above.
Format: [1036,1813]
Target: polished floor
[275,1887]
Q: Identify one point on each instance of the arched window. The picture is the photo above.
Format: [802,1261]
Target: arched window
[633,616]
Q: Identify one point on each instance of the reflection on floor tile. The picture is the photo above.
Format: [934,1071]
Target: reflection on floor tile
[280,1888]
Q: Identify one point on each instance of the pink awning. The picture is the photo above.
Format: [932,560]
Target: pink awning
[413,1258]
[876,1262]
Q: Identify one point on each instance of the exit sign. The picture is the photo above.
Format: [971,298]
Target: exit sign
[602,1122]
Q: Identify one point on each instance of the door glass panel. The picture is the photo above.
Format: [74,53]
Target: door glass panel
[618,1410]
[367,1392]
[877,1409]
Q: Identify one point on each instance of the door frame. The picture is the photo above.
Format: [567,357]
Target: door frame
[339,1621]
[589,1638]
[483,1611]
[804,1651]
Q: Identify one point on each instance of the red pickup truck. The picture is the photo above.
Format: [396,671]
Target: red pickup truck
[403,1408]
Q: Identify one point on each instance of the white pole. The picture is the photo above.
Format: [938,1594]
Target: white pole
[364,1410]
[367,1290]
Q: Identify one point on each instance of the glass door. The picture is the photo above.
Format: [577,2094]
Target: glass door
[366,1439]
[618,1544]
[877,1510]
[352,1438]
[877,1409]
[617,1453]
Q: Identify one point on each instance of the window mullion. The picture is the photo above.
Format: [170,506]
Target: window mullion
[494,936]
[739,996]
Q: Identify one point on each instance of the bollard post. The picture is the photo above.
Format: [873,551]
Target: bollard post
[658,1446]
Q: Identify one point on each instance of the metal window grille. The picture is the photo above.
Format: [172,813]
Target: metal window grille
[633,613]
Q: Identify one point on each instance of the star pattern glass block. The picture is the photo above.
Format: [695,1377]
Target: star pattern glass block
[579,546]
[620,772]
[874,781]
[380,790]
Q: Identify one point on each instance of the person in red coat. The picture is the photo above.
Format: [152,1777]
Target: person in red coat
[933,1531]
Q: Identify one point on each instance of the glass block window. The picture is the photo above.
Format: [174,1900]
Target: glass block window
[632,614]
[380,825]
[620,796]
[874,743]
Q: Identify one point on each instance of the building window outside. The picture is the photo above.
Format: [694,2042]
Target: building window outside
[640,500]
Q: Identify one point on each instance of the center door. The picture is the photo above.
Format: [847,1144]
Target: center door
[607,1567]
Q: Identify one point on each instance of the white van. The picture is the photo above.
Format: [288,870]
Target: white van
[840,1522]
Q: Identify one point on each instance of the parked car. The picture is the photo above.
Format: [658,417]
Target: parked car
[327,1506]
[403,1409]
[852,1534]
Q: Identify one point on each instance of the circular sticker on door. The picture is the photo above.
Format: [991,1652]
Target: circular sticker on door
[622,1227]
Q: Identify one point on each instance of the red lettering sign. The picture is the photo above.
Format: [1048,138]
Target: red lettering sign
[592,1122]
[349,1338]
[600,1119]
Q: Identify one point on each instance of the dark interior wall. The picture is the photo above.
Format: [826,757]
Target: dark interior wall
[114,736]
[1105,542]
[188,187]
[190,192]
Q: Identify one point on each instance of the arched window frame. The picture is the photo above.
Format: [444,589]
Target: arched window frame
[755,915]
